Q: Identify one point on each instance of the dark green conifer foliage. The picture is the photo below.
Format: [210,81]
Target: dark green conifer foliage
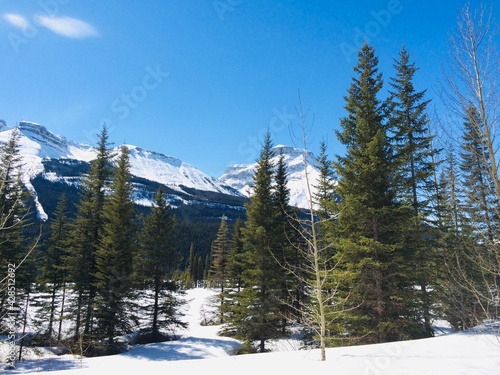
[282,248]
[235,268]
[199,270]
[54,271]
[456,244]
[219,252]
[190,273]
[16,252]
[86,235]
[414,160]
[115,253]
[470,236]
[255,316]
[369,253]
[325,187]
[155,263]
[218,273]
[13,218]
[480,205]
[235,263]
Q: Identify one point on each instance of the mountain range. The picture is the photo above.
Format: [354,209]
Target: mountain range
[53,163]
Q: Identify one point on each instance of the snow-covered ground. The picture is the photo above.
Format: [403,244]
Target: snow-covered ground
[201,350]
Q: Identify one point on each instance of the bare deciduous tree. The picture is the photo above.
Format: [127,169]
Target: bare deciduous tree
[315,269]
[471,85]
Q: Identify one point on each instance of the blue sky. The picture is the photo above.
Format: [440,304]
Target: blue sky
[202,80]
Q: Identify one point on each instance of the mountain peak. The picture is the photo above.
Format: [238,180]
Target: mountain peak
[41,134]
[38,145]
[240,176]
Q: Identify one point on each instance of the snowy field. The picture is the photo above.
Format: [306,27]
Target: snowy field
[201,350]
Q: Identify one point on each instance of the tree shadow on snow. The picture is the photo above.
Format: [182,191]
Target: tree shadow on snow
[183,349]
[46,364]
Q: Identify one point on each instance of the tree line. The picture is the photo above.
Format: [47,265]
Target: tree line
[400,231]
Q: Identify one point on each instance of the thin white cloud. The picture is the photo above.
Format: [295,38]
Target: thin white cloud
[67,26]
[16,20]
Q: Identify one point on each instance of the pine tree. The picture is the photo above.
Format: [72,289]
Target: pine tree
[369,254]
[86,235]
[414,159]
[114,254]
[155,263]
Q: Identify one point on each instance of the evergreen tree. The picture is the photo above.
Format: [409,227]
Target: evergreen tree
[255,313]
[54,272]
[190,273]
[13,218]
[324,197]
[86,235]
[481,205]
[479,209]
[456,244]
[114,254]
[218,273]
[235,264]
[219,254]
[282,249]
[199,271]
[155,263]
[369,253]
[413,153]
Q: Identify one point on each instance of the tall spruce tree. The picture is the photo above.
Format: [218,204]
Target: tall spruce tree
[255,315]
[114,254]
[218,273]
[480,208]
[325,186]
[13,218]
[155,263]
[369,253]
[54,273]
[219,253]
[457,245]
[413,152]
[235,264]
[86,234]
[481,205]
[282,249]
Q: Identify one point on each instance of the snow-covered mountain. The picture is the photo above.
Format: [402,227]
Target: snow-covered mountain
[240,176]
[38,144]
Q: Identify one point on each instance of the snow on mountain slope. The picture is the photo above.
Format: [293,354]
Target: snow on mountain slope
[38,143]
[240,176]
[173,172]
